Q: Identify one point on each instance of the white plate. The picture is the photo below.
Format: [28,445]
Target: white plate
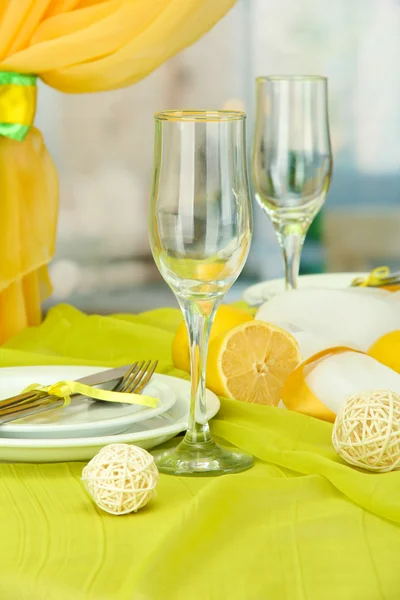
[265,290]
[83,417]
[145,434]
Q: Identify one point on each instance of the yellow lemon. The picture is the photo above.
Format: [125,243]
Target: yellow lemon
[226,318]
[386,350]
[251,362]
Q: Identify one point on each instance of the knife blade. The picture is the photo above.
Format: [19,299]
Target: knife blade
[100,378]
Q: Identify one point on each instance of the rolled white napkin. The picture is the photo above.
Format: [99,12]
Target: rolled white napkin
[336,378]
[322,319]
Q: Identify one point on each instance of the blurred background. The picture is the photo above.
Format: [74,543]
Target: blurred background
[103,147]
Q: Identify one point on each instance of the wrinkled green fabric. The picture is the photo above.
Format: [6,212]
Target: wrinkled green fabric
[300,525]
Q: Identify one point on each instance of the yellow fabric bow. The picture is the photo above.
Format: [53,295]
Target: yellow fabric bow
[65,389]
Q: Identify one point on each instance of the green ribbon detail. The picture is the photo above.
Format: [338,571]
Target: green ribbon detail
[17,104]
[7,77]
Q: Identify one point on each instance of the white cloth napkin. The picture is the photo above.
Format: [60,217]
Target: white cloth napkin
[320,318]
[337,377]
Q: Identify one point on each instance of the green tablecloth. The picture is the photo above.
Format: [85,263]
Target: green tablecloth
[301,525]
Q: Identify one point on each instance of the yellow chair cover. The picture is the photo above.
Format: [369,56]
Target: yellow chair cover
[74,46]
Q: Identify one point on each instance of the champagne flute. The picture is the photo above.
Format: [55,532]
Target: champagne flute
[292,159]
[200,232]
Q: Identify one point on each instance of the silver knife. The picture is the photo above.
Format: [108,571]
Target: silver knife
[111,377]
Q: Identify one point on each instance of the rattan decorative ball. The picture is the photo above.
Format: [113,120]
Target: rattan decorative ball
[366,432]
[121,478]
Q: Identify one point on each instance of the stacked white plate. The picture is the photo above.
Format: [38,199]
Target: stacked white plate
[78,431]
[265,290]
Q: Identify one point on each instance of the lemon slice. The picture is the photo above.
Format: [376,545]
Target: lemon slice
[251,362]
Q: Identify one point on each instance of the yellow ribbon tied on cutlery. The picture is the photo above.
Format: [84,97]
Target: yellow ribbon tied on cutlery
[377,278]
[374,278]
[65,389]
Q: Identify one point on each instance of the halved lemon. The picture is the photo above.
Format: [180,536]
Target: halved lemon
[251,362]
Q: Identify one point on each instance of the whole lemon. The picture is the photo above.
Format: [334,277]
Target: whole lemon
[226,318]
[386,350]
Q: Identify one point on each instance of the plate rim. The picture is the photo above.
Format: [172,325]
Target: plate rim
[87,442]
[113,422]
[257,287]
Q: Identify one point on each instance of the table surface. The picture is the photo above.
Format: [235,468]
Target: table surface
[300,525]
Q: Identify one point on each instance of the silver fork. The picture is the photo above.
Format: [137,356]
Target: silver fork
[29,398]
[134,381]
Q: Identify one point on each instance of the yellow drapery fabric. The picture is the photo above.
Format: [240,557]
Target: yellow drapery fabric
[74,46]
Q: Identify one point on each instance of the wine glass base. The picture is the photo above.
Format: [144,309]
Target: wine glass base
[201,459]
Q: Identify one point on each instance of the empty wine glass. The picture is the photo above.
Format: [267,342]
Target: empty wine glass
[292,159]
[200,232]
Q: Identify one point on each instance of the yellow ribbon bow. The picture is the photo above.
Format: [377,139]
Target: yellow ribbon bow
[374,278]
[64,390]
[379,277]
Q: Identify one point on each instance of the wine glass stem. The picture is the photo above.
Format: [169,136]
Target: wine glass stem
[198,316]
[291,241]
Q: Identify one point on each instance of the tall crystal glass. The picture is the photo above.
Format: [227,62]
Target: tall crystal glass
[292,158]
[200,231]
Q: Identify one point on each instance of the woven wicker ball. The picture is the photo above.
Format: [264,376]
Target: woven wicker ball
[366,432]
[121,478]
